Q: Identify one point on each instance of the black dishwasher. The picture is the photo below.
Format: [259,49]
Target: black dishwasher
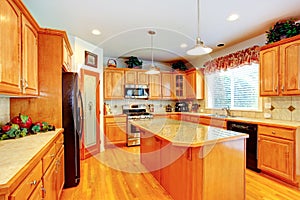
[251,142]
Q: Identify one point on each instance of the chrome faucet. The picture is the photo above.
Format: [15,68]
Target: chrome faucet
[227,109]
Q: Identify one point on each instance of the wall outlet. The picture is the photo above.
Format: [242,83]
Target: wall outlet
[267,115]
[267,105]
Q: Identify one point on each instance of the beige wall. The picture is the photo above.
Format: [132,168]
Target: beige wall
[4,110]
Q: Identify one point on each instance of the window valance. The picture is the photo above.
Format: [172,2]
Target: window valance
[243,57]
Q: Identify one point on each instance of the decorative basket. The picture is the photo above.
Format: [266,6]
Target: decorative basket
[112,63]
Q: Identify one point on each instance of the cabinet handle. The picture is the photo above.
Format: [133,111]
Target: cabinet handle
[34,182]
[52,155]
[273,132]
[189,154]
[44,191]
[282,88]
[276,88]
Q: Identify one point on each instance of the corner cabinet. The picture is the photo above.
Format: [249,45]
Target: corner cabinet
[113,84]
[276,152]
[194,84]
[18,51]
[280,68]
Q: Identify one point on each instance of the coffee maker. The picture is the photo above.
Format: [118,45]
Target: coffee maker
[181,107]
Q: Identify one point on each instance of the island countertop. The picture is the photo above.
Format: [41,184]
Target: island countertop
[181,133]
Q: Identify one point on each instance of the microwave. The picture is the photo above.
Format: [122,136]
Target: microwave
[136,91]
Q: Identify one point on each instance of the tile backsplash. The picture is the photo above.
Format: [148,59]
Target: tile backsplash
[4,110]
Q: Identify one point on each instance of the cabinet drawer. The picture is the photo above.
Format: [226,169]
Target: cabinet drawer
[29,184]
[48,158]
[277,132]
[59,143]
[115,119]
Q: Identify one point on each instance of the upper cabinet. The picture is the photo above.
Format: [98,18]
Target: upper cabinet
[179,86]
[67,56]
[194,84]
[10,48]
[30,58]
[167,85]
[136,77]
[113,84]
[280,68]
[155,86]
[18,51]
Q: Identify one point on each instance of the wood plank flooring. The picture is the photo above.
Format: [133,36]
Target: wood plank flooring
[114,175]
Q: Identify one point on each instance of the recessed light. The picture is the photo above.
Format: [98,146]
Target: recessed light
[232,17]
[96,32]
[183,45]
[220,45]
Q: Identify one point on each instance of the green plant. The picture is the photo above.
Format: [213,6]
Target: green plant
[133,62]
[179,65]
[283,29]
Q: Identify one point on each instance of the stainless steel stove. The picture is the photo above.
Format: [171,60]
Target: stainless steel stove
[135,112]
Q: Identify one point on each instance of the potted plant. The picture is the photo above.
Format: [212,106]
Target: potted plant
[283,29]
[179,65]
[134,62]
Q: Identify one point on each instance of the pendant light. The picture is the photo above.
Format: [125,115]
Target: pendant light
[153,69]
[199,48]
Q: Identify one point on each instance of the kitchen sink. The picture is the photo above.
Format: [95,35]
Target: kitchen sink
[220,116]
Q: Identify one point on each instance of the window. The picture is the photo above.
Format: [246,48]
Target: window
[237,88]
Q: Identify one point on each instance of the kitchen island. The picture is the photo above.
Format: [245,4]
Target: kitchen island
[192,161]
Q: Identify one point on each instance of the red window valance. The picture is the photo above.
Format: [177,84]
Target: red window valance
[243,57]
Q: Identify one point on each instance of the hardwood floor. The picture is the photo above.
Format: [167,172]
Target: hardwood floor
[115,175]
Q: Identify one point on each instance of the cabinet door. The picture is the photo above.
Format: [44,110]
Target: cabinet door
[167,85]
[290,63]
[60,168]
[191,85]
[180,86]
[155,86]
[113,84]
[10,48]
[142,78]
[67,57]
[30,58]
[37,193]
[276,156]
[130,77]
[115,133]
[269,72]
[49,181]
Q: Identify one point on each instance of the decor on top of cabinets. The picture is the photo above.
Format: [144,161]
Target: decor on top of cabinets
[90,59]
[112,63]
[179,65]
[283,29]
[134,62]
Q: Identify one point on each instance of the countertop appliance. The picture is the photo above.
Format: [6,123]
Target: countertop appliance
[181,107]
[136,91]
[134,112]
[168,108]
[72,115]
[251,142]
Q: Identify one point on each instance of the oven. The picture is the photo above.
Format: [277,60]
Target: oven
[134,112]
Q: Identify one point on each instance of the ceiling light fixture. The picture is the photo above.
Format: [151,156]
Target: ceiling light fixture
[232,17]
[96,32]
[153,69]
[199,48]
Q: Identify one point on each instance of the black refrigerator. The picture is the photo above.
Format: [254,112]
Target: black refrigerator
[72,117]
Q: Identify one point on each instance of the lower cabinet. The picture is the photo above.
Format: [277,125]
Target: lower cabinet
[276,152]
[45,178]
[115,130]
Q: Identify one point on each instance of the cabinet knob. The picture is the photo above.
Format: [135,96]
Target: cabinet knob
[34,182]
[282,88]
[52,155]
[273,132]
[276,88]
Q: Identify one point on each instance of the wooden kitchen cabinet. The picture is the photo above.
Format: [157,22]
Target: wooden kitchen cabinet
[179,86]
[115,130]
[194,84]
[276,152]
[113,84]
[280,68]
[134,76]
[30,58]
[167,85]
[212,121]
[18,51]
[67,57]
[155,86]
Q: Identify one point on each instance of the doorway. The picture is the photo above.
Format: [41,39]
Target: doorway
[91,132]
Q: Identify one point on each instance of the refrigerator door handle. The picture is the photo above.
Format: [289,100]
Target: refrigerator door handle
[81,118]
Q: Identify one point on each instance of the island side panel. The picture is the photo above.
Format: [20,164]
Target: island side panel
[224,170]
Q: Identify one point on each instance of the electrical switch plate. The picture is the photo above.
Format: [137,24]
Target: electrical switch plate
[267,105]
[267,115]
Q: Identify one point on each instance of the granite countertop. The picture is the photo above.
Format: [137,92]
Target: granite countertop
[16,153]
[182,133]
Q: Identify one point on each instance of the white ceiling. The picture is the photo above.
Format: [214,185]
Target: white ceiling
[124,23]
